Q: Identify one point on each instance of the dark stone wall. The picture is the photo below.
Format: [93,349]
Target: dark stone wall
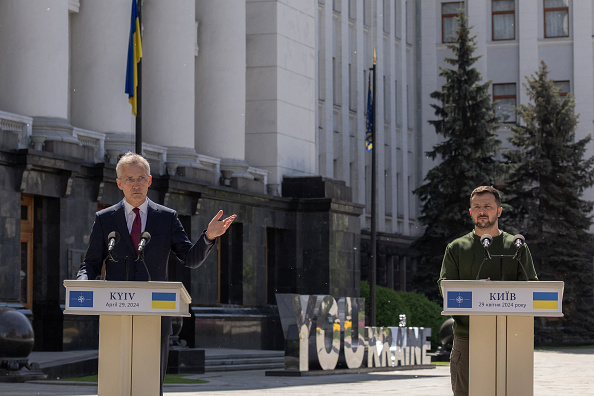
[304,242]
[10,228]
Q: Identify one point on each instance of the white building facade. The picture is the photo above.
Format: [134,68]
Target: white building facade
[257,107]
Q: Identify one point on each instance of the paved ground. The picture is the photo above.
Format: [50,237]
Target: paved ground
[556,372]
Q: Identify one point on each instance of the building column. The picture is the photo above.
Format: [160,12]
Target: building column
[35,54]
[221,86]
[477,14]
[406,93]
[280,115]
[528,46]
[99,103]
[169,49]
[583,66]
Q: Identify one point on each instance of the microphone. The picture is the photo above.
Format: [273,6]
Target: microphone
[145,238]
[113,238]
[486,240]
[519,241]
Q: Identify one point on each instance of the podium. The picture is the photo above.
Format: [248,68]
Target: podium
[129,329]
[501,338]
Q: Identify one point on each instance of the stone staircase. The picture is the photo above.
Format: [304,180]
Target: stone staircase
[237,360]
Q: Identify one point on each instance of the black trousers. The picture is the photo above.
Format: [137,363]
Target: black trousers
[166,331]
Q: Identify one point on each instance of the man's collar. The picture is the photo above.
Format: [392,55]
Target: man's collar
[143,208]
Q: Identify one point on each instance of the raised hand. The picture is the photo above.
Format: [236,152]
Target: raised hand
[217,227]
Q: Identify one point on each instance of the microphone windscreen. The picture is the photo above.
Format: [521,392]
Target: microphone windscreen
[519,240]
[486,240]
[147,236]
[115,235]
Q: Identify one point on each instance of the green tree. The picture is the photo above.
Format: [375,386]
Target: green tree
[545,190]
[467,123]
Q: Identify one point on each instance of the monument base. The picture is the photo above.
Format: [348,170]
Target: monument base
[185,361]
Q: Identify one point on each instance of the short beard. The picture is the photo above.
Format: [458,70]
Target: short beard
[486,226]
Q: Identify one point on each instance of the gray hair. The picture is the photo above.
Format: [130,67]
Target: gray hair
[132,158]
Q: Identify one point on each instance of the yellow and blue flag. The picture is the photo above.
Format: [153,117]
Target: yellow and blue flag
[163,300]
[134,55]
[545,300]
[370,117]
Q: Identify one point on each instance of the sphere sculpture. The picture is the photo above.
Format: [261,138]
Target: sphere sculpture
[16,339]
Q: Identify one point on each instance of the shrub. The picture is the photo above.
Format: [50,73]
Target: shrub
[419,310]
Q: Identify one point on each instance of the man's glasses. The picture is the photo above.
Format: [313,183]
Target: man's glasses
[132,180]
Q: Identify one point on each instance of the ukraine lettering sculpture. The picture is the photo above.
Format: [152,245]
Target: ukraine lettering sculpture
[321,332]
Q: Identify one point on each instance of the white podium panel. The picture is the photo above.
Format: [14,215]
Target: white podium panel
[129,329]
[501,338]
[98,297]
[466,297]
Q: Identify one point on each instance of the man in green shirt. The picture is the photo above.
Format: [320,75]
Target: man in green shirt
[463,259]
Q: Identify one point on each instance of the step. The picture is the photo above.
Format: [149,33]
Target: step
[245,361]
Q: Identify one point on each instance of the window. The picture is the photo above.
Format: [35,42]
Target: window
[396,21]
[367,12]
[504,97]
[386,15]
[556,18]
[386,99]
[449,23]
[352,9]
[352,88]
[503,20]
[563,87]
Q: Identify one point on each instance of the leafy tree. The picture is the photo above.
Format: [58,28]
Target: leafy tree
[545,189]
[467,122]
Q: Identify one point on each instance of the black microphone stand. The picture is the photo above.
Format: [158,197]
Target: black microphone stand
[501,256]
[141,259]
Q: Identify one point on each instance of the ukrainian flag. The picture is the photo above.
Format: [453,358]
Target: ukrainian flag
[545,300]
[370,117]
[134,55]
[163,300]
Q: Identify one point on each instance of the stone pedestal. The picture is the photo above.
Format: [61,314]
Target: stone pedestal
[185,361]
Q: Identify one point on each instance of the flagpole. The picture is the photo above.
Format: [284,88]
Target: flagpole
[375,147]
[138,119]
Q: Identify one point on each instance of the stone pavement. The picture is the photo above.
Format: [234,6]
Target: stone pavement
[556,372]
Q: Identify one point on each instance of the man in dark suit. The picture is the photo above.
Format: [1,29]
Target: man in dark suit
[131,217]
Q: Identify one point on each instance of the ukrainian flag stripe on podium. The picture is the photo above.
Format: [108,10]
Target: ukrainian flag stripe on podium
[545,300]
[163,300]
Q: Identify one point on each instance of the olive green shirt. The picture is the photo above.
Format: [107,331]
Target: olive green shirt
[463,258]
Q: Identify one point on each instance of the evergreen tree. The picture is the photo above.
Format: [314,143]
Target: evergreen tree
[467,122]
[545,188]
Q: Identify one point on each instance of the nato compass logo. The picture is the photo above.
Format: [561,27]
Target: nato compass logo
[459,299]
[81,299]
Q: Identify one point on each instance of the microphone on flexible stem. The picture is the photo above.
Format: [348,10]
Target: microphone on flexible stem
[145,238]
[486,241]
[113,239]
[519,241]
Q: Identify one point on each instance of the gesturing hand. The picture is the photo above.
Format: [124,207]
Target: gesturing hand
[218,227]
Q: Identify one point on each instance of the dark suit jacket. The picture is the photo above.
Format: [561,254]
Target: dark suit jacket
[167,235]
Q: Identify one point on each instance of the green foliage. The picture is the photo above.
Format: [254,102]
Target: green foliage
[548,176]
[466,157]
[419,310]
